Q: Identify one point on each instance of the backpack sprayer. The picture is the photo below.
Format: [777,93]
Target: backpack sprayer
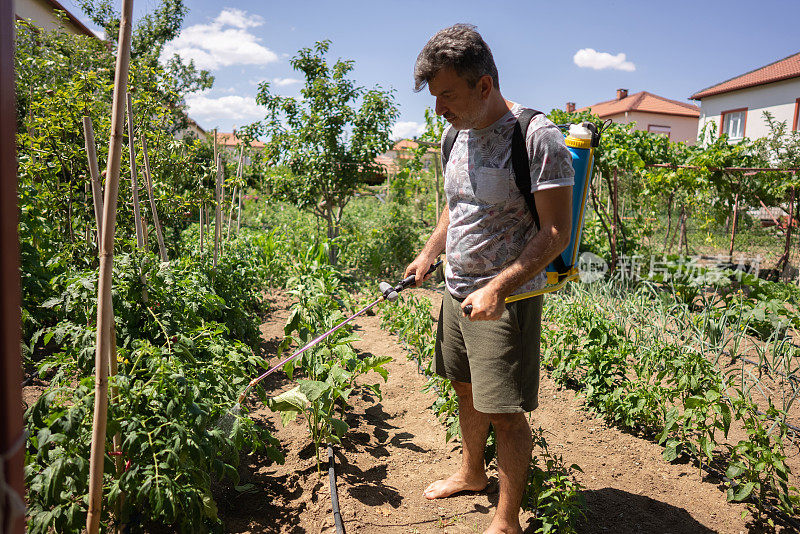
[581,140]
[388,292]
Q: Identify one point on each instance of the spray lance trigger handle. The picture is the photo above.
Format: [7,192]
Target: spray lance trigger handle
[409,280]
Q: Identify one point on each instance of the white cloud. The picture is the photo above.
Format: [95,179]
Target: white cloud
[238,18]
[223,42]
[404,129]
[210,110]
[283,82]
[592,59]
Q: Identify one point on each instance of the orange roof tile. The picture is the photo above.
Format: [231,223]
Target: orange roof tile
[645,102]
[783,69]
[229,139]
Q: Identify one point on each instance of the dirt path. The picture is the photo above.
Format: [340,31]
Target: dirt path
[396,447]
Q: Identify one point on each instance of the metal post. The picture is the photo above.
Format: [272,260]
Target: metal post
[12,450]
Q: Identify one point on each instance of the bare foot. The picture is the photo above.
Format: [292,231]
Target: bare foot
[499,526]
[453,484]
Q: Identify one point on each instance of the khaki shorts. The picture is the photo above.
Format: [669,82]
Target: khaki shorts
[499,358]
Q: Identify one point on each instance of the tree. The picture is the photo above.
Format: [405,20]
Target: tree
[328,139]
[152,31]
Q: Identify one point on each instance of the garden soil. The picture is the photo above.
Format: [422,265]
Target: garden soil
[396,447]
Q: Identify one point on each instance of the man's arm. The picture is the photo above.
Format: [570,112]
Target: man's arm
[434,246]
[555,216]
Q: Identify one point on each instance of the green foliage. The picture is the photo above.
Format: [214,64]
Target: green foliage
[616,348]
[332,366]
[328,140]
[183,332]
[552,492]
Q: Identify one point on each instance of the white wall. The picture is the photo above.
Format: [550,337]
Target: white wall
[778,98]
[682,129]
[41,13]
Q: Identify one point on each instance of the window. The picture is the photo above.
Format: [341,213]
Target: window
[796,122]
[656,129]
[733,123]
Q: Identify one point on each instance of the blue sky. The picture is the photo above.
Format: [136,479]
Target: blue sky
[670,48]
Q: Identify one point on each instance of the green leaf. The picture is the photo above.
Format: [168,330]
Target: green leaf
[670,453]
[290,401]
[743,491]
[313,389]
[340,428]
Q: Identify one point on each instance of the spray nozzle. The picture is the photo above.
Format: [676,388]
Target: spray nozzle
[388,291]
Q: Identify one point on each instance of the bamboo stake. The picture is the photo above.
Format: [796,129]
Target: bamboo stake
[218,211]
[239,172]
[148,178]
[239,216]
[230,213]
[202,207]
[105,313]
[137,212]
[94,173]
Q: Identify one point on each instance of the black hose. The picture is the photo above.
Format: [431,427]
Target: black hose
[337,516]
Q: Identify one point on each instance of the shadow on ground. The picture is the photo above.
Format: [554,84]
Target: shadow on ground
[614,510]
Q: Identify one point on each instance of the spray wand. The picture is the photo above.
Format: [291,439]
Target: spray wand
[388,292]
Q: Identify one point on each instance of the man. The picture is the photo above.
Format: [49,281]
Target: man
[494,251]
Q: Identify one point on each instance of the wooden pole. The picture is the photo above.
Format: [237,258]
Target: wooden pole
[94,173]
[218,211]
[239,215]
[148,179]
[12,440]
[105,312]
[137,212]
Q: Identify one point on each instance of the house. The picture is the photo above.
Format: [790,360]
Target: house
[231,143]
[651,113]
[400,152]
[737,105]
[42,13]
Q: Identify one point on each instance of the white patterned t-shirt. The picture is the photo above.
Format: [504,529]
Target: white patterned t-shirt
[490,223]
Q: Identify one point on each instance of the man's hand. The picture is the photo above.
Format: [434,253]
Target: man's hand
[419,267]
[487,304]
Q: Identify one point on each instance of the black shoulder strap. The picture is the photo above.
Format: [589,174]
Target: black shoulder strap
[522,173]
[447,147]
[520,162]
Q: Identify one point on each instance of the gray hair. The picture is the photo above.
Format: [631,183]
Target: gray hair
[459,47]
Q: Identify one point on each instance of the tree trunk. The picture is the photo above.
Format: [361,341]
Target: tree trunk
[137,212]
[683,243]
[669,217]
[148,178]
[783,262]
[614,221]
[105,312]
[596,207]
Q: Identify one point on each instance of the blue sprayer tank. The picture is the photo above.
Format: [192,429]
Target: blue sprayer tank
[581,141]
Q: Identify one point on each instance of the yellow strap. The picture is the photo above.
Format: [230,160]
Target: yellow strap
[572,274]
